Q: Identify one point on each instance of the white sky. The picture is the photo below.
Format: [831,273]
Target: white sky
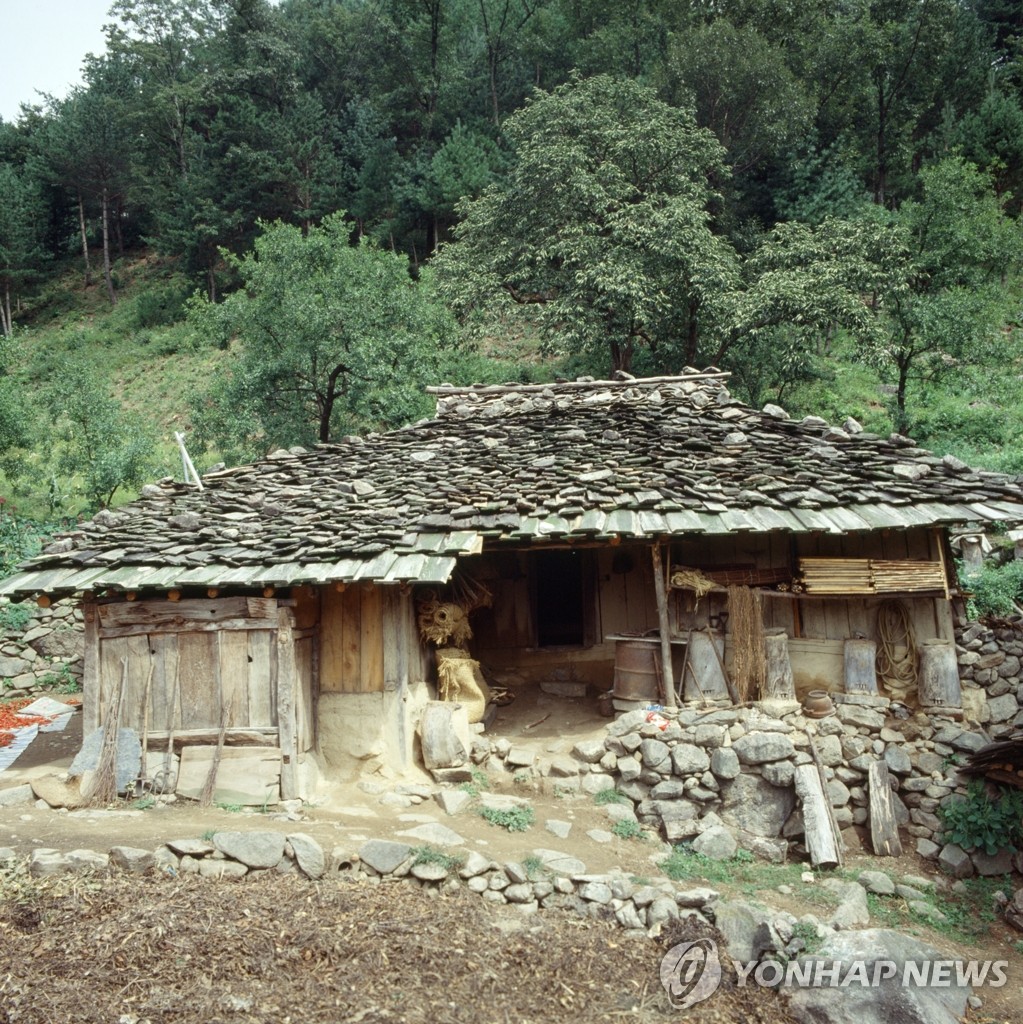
[44,43]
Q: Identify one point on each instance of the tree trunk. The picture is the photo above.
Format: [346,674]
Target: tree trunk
[881,170]
[900,394]
[211,280]
[107,276]
[5,310]
[85,240]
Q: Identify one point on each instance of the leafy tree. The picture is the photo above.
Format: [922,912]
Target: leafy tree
[102,446]
[330,337]
[602,225]
[21,254]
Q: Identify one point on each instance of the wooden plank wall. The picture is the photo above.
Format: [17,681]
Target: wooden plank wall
[815,619]
[195,655]
[352,640]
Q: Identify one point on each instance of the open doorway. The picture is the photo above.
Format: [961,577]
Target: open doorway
[560,619]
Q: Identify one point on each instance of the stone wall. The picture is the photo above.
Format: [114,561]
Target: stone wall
[44,653]
[723,779]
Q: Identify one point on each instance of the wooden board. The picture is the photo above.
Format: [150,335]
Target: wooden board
[371,641]
[305,710]
[164,711]
[248,776]
[199,679]
[182,613]
[351,637]
[884,829]
[262,679]
[234,677]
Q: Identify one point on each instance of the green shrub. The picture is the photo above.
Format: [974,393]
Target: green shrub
[980,821]
[14,616]
[995,589]
[431,855]
[628,829]
[609,796]
[514,819]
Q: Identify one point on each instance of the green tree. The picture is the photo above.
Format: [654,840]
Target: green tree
[602,226]
[100,445]
[942,300]
[21,252]
[330,337]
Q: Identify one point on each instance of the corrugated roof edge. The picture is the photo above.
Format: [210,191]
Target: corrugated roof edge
[422,567]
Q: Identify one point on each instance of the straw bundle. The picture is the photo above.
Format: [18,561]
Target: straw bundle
[442,622]
[747,624]
[459,679]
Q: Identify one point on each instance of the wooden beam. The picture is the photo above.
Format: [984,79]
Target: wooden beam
[817,831]
[884,829]
[287,679]
[667,679]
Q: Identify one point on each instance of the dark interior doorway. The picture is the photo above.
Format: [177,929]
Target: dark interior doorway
[559,598]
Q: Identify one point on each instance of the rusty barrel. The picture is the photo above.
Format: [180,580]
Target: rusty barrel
[636,670]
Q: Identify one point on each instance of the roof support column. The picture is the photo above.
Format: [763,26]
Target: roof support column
[667,680]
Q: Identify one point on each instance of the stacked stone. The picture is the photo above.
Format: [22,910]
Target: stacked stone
[48,648]
[991,671]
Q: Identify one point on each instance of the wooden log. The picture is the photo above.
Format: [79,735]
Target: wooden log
[667,682]
[973,553]
[90,670]
[836,832]
[818,834]
[938,679]
[239,737]
[860,657]
[778,683]
[884,829]
[287,679]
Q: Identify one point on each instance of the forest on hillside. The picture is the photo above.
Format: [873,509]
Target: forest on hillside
[318,206]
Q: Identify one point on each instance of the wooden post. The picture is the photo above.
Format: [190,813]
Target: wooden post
[287,674]
[820,839]
[778,684]
[884,829]
[90,670]
[973,553]
[860,658]
[667,680]
[938,684]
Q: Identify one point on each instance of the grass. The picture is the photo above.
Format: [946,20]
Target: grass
[514,819]
[609,796]
[969,913]
[143,803]
[231,808]
[533,867]
[480,782]
[431,855]
[628,829]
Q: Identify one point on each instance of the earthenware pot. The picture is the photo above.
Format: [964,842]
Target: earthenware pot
[818,704]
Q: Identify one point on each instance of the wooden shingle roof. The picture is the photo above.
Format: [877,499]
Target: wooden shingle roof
[527,465]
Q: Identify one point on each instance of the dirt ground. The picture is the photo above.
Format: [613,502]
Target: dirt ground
[273,948]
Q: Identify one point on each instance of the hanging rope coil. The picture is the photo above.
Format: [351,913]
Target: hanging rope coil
[898,673]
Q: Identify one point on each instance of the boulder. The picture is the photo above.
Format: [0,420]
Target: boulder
[132,859]
[760,747]
[445,736]
[852,911]
[724,763]
[716,843]
[689,759]
[383,855]
[309,855]
[886,1002]
[747,929]
[754,805]
[955,861]
[59,793]
[253,849]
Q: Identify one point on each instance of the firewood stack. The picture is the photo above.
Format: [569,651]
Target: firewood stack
[1001,761]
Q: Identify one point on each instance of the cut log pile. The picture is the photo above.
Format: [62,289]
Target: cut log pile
[870,575]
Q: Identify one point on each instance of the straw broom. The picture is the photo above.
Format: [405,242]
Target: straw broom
[209,787]
[104,783]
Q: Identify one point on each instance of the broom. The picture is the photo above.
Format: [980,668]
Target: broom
[210,785]
[104,783]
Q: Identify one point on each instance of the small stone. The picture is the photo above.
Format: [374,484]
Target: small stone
[716,843]
[429,871]
[598,835]
[557,827]
[954,861]
[132,859]
[452,800]
[384,855]
[253,849]
[309,855]
[724,763]
[222,869]
[877,882]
